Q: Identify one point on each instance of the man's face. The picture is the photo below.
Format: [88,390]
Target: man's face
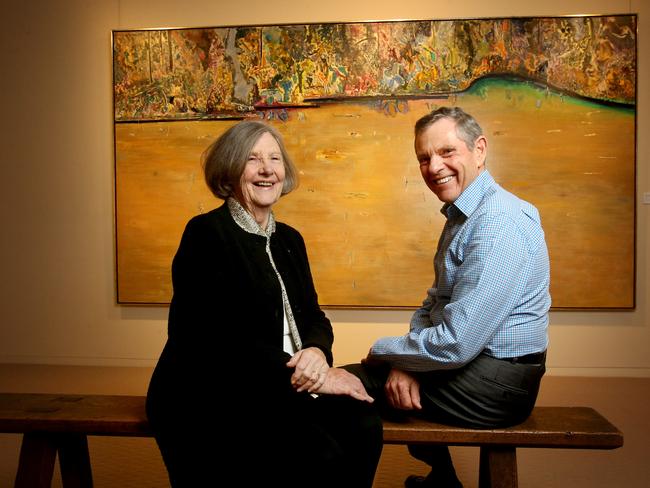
[447,165]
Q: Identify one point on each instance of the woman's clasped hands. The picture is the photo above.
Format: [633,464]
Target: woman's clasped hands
[313,374]
[310,369]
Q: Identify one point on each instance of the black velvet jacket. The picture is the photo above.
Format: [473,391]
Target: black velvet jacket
[226,315]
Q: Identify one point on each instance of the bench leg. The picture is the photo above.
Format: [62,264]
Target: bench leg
[36,461]
[75,461]
[498,467]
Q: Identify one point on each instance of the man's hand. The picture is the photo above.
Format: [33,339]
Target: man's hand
[341,382]
[310,369]
[402,390]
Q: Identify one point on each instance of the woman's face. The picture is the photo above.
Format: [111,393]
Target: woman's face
[263,178]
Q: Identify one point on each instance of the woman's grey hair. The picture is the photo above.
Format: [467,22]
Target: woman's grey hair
[467,128]
[225,159]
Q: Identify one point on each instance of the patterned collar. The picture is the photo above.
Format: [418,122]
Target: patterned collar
[470,198]
[248,224]
[246,220]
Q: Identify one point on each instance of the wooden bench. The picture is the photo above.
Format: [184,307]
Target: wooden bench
[53,424]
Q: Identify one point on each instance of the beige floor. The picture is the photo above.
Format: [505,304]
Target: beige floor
[123,463]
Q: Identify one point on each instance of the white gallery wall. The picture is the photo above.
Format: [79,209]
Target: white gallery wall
[57,292]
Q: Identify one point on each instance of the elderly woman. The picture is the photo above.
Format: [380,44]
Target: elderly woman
[244,388]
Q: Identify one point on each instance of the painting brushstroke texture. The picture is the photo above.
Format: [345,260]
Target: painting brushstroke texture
[556,97]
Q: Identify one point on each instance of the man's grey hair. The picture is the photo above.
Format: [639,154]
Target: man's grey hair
[467,128]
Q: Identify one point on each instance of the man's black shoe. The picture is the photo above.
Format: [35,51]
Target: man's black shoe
[415,481]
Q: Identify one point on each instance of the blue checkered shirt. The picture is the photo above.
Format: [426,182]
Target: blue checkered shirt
[491,288]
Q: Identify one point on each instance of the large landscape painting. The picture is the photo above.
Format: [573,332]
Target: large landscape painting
[556,97]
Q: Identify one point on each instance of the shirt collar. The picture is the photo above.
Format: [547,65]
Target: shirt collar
[470,198]
[246,221]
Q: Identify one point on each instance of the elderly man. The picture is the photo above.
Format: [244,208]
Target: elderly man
[475,352]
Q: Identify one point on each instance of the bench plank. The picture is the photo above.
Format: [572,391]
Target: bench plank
[114,415]
[123,415]
[566,427]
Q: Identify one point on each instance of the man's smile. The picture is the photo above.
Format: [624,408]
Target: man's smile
[443,180]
